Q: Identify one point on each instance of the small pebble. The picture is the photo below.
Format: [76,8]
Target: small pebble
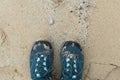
[80,7]
[51,21]
[71,11]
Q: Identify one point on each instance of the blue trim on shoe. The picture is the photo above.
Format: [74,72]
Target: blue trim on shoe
[41,61]
[72,61]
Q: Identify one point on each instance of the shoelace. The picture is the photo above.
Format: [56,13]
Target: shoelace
[71,71]
[41,67]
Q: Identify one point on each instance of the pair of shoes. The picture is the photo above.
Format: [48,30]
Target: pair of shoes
[41,61]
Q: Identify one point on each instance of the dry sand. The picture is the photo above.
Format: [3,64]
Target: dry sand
[22,22]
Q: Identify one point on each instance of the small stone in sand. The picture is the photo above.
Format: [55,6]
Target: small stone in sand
[80,7]
[51,21]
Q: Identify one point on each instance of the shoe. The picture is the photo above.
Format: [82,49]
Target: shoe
[72,61]
[41,61]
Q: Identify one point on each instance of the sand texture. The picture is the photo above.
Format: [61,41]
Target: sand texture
[94,24]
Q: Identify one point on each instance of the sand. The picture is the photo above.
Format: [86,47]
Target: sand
[95,27]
